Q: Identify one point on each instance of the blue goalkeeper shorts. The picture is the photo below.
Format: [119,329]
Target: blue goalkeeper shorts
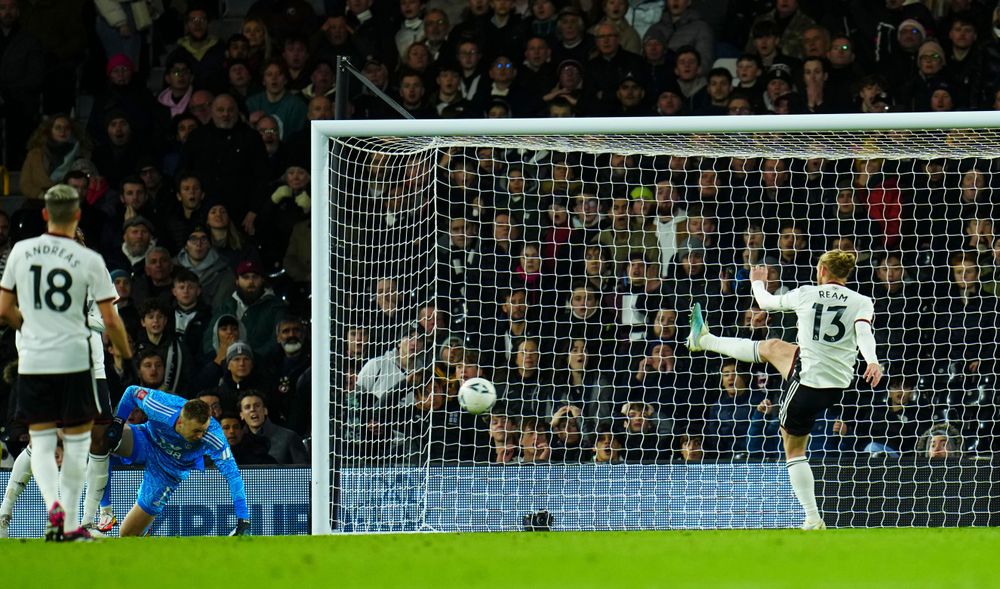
[156,487]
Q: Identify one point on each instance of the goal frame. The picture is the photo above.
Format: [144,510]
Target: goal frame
[322,485]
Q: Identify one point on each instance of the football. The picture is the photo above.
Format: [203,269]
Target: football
[477,395]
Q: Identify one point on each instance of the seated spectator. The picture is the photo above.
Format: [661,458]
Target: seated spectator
[941,442]
[641,442]
[226,237]
[126,307]
[578,382]
[965,317]
[571,90]
[729,418]
[284,445]
[691,448]
[607,446]
[216,278]
[256,305]
[225,331]
[892,426]
[568,443]
[385,373]
[277,101]
[151,368]
[52,149]
[534,441]
[156,334]
[205,52]
[504,438]
[248,448]
[191,315]
[287,366]
[156,279]
[126,91]
[186,211]
[177,82]
[526,387]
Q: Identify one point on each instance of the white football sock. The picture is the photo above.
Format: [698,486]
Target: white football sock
[20,474]
[97,479]
[43,464]
[744,350]
[74,472]
[801,476]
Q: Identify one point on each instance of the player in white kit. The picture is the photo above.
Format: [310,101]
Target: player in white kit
[834,323]
[43,293]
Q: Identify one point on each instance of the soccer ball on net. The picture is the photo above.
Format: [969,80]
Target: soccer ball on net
[477,395]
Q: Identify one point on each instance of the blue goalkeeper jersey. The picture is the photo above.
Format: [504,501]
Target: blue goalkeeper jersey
[176,457]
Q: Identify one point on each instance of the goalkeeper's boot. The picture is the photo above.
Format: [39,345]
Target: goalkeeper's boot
[78,535]
[5,525]
[54,528]
[91,528]
[813,524]
[107,520]
[698,328]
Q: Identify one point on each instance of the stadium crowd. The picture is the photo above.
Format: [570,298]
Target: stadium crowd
[563,278]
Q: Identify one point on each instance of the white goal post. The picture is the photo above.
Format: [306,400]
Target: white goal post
[391,483]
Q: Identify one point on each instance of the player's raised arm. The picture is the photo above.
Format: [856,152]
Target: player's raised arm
[766,300]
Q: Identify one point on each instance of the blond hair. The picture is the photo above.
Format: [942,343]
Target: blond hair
[839,263]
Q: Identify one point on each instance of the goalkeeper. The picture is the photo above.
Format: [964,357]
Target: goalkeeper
[175,440]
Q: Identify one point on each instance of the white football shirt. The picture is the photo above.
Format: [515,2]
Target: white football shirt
[828,346]
[52,277]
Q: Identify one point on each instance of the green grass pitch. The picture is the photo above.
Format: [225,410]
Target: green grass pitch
[844,559]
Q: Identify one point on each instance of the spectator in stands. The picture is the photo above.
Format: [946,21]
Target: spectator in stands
[449,93]
[386,372]
[137,241]
[750,79]
[225,236]
[224,332]
[191,315]
[412,96]
[965,317]
[572,42]
[526,386]
[436,34]
[158,334]
[728,422]
[894,425]
[613,12]
[567,442]
[578,382]
[181,216]
[790,24]
[214,404]
[205,52]
[765,43]
[288,365]
[411,27]
[270,135]
[690,79]
[237,373]
[150,367]
[505,32]
[536,72]
[214,273]
[276,100]
[248,449]
[941,442]
[178,84]
[256,305]
[125,91]
[681,25]
[53,148]
[570,88]
[504,440]
[156,278]
[607,446]
[284,445]
[611,63]
[534,442]
[417,59]
[641,442]
[231,161]
[793,255]
[22,68]
[691,448]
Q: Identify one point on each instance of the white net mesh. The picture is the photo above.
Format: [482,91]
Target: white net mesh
[562,269]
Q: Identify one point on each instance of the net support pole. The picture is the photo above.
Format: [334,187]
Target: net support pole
[321,488]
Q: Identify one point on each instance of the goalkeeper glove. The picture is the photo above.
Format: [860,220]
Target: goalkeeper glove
[114,432]
[242,528]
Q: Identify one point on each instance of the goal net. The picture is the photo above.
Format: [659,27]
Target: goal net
[559,259]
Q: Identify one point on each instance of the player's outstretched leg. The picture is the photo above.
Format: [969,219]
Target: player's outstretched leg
[98,475]
[699,339]
[76,446]
[20,474]
[43,464]
[136,522]
[800,475]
